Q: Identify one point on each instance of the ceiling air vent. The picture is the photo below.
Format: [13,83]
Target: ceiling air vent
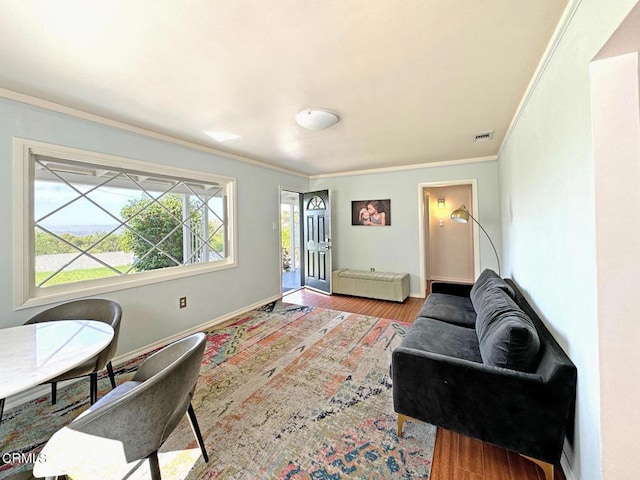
[483,137]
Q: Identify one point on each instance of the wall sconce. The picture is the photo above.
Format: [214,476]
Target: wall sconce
[441,203]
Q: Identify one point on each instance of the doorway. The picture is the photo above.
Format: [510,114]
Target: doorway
[448,251]
[290,234]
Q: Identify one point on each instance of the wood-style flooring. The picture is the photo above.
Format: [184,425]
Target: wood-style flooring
[456,456]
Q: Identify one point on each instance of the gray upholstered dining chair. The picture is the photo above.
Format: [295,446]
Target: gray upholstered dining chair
[99,309]
[132,422]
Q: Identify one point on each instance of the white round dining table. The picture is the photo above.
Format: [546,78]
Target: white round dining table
[32,354]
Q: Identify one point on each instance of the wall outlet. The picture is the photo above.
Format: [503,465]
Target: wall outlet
[183,302]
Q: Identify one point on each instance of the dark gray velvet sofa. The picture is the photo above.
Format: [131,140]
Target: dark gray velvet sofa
[480,362]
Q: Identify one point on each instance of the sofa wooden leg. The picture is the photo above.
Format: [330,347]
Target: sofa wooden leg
[401,419]
[547,468]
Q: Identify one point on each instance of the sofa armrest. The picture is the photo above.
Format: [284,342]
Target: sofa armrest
[523,412]
[457,289]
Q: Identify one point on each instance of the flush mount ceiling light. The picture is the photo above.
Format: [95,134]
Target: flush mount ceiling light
[316,119]
[222,136]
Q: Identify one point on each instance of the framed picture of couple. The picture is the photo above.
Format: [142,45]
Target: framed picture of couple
[371,213]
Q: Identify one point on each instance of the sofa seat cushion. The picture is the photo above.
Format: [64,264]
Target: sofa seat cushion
[442,338]
[506,335]
[449,308]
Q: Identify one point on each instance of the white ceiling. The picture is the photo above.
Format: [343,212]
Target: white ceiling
[412,81]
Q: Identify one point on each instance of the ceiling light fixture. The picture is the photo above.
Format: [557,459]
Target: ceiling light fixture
[222,136]
[316,119]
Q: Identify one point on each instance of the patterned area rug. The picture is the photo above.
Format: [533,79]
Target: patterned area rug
[285,392]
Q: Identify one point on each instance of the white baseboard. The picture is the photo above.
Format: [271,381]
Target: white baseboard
[42,390]
[566,465]
[204,326]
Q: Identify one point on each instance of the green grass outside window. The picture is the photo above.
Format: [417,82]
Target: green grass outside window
[79,275]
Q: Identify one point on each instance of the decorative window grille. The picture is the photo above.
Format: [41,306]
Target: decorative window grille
[316,203]
[102,221]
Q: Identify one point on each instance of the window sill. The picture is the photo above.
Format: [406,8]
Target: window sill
[72,291]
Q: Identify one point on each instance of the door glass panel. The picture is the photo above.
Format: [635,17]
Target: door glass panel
[316,203]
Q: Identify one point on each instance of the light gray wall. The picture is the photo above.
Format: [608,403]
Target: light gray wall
[395,248]
[151,312]
[547,197]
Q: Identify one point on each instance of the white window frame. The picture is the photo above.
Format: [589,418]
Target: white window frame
[26,294]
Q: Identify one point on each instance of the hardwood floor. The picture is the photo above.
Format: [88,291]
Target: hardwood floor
[404,312]
[456,456]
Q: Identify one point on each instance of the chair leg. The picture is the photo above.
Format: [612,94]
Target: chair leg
[154,466]
[53,393]
[196,431]
[93,388]
[112,377]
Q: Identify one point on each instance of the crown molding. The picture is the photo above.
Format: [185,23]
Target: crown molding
[416,166]
[56,107]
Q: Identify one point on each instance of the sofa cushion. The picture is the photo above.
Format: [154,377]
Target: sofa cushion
[487,280]
[443,338]
[450,309]
[506,335]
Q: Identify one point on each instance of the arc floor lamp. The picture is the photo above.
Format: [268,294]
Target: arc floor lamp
[462,215]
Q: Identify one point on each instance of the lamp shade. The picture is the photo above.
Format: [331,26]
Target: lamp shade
[460,215]
[316,119]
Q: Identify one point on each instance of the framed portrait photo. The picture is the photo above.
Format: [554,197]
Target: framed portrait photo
[371,213]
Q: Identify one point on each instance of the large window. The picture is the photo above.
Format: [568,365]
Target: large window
[89,221]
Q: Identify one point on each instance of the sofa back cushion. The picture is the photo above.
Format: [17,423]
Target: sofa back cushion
[488,280]
[506,335]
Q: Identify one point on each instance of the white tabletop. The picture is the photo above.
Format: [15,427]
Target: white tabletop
[33,354]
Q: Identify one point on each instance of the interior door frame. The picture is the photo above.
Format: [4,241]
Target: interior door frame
[421,225]
[301,234]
